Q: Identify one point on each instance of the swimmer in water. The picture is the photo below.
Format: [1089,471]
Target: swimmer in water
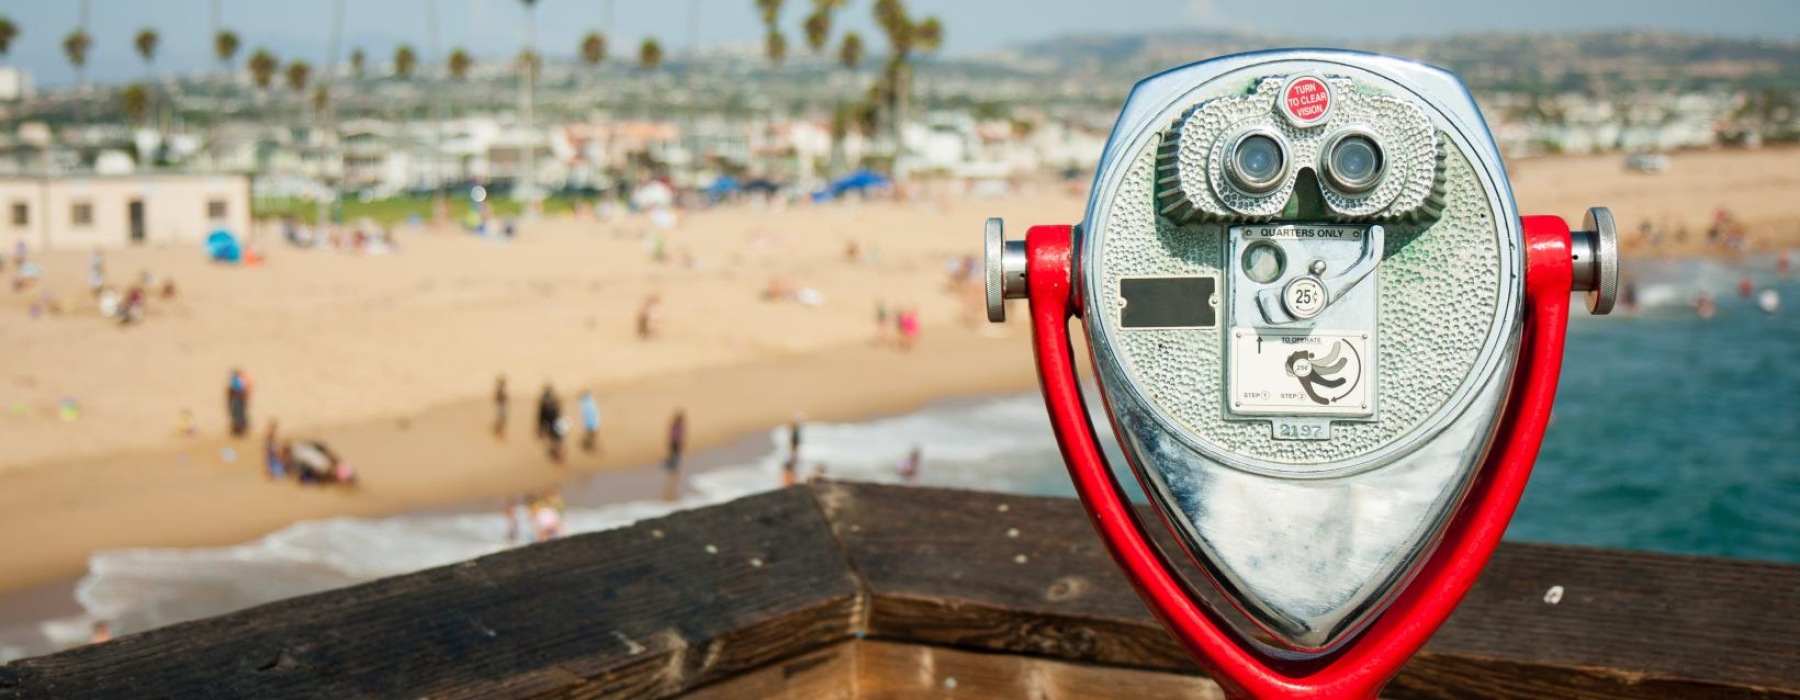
[1705,306]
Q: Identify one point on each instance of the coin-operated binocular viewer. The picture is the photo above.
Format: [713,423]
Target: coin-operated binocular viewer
[1327,343]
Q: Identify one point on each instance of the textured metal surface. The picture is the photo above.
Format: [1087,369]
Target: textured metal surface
[1445,283]
[1308,538]
[993,243]
[1596,252]
[1195,186]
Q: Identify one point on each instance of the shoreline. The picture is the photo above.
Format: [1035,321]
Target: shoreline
[445,458]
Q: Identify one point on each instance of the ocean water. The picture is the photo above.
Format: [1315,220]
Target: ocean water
[1671,434]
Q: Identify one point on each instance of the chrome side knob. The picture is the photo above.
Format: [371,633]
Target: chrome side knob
[1004,263]
[1595,253]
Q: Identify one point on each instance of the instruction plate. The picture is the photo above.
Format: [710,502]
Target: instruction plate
[1301,372]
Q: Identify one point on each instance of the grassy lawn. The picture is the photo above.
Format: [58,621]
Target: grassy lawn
[391,211]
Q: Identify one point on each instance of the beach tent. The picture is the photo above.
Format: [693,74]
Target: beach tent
[762,185]
[221,246]
[653,194]
[723,187]
[860,181]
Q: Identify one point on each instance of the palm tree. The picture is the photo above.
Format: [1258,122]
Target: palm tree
[225,49]
[145,43]
[225,46]
[75,47]
[527,64]
[650,55]
[459,64]
[321,98]
[851,52]
[457,67]
[775,46]
[9,32]
[262,69]
[593,49]
[902,36]
[818,31]
[135,100]
[528,87]
[771,11]
[358,61]
[298,74]
[929,37]
[405,60]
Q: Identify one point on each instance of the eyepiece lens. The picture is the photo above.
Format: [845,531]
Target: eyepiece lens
[1257,163]
[1355,163]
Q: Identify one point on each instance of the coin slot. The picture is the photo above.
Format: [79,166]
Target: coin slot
[1264,262]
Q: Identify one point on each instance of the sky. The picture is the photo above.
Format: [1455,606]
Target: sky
[300,29]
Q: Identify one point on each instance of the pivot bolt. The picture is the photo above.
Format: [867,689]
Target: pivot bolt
[1004,265]
[1595,255]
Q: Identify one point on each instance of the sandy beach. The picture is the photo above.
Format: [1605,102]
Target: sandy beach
[391,358]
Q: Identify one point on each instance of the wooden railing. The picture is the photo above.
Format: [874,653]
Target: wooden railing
[861,591]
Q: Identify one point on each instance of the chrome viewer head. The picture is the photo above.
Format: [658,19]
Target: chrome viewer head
[1301,279]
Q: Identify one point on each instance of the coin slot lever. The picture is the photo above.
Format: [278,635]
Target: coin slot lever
[1275,302]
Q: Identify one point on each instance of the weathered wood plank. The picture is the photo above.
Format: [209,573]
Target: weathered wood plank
[1649,625]
[762,596]
[995,572]
[1012,574]
[893,671]
[826,674]
[650,610]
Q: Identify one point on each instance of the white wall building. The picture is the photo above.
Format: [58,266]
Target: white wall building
[113,212]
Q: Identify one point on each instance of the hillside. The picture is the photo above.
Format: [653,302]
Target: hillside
[1585,62]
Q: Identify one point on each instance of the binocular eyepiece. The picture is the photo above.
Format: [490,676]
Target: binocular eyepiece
[1326,340]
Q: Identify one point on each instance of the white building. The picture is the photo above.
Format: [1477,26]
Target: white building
[15,84]
[117,211]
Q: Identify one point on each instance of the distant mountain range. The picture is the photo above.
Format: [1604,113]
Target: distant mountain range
[1588,61]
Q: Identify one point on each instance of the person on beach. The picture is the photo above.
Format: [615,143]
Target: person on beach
[511,512]
[547,516]
[500,407]
[883,322]
[649,317]
[550,426]
[909,469]
[590,422]
[96,272]
[790,469]
[272,452]
[237,402]
[102,632]
[909,328]
[672,464]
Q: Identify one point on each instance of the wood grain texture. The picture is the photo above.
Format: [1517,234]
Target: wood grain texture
[643,611]
[825,674]
[843,590]
[1023,575]
[895,671]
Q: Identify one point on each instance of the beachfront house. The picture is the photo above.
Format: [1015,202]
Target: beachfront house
[101,211]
